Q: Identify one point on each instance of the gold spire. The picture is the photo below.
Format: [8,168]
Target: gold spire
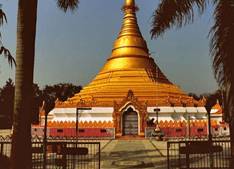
[128,68]
[130,3]
[130,41]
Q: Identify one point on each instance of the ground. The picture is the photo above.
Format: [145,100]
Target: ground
[123,154]
[127,154]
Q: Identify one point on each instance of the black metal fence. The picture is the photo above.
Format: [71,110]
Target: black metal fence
[198,154]
[61,153]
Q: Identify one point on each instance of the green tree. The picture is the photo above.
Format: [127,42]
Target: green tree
[194,95]
[36,103]
[211,99]
[26,33]
[177,13]
[62,91]
[6,104]
[3,50]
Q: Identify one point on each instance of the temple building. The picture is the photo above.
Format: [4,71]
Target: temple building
[129,89]
[216,113]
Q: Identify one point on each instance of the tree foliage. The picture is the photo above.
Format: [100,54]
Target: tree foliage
[68,4]
[170,13]
[62,91]
[211,98]
[195,96]
[4,50]
[7,104]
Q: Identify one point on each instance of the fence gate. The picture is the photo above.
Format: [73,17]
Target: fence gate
[60,154]
[195,154]
[68,155]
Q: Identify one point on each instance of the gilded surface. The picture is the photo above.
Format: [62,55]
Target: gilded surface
[130,67]
[130,2]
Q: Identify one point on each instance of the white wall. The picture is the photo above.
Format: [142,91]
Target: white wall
[105,114]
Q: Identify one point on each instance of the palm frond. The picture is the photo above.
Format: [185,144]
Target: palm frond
[68,4]
[8,55]
[221,48]
[2,16]
[174,13]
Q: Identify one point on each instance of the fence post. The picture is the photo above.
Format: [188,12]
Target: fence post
[187,156]
[168,154]
[1,148]
[179,155]
[45,142]
[209,139]
[99,156]
[64,146]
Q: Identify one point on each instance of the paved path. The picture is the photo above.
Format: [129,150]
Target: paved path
[129,154]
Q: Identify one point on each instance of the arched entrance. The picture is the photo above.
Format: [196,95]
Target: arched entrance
[130,123]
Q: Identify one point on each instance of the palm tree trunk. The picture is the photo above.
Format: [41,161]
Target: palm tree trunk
[230,109]
[21,155]
[231,125]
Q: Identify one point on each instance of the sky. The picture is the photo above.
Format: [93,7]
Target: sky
[73,47]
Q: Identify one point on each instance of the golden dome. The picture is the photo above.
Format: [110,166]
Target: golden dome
[129,67]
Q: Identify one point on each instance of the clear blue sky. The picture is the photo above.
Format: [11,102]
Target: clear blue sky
[72,48]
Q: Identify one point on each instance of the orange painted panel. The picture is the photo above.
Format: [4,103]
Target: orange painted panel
[73,124]
[95,124]
[104,124]
[109,124]
[90,124]
[99,124]
[81,124]
[85,124]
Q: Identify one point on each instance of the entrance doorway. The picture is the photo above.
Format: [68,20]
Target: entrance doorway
[130,123]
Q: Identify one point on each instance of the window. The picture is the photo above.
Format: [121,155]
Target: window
[178,130]
[60,130]
[35,129]
[81,131]
[200,130]
[225,128]
[216,129]
[103,130]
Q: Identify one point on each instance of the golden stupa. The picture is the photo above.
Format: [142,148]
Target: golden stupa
[130,67]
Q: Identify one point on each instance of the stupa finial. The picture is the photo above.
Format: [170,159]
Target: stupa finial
[130,3]
[130,41]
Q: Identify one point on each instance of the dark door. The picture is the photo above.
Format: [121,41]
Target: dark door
[130,124]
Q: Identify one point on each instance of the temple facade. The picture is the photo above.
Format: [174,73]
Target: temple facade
[130,89]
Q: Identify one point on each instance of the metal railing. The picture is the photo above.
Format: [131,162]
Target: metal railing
[61,152]
[197,154]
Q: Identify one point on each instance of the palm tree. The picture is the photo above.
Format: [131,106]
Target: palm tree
[172,13]
[3,50]
[21,156]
